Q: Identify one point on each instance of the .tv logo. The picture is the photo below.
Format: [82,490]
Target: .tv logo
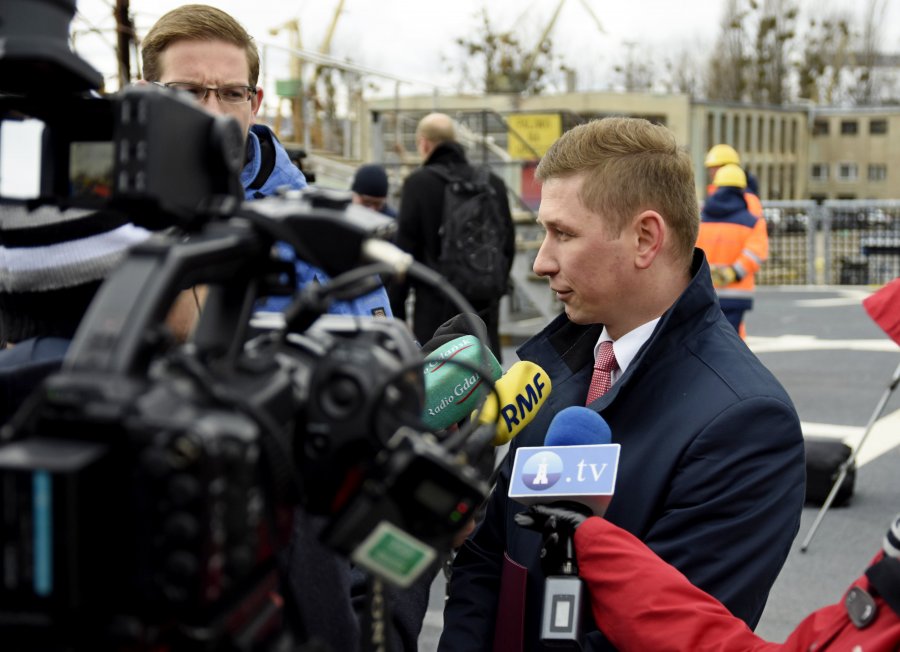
[542,470]
[546,473]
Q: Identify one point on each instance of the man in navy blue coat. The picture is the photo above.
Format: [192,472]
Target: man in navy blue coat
[711,474]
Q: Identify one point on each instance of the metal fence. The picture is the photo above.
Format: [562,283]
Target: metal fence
[838,242]
[835,243]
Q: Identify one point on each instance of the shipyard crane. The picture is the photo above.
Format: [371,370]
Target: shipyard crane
[296,89]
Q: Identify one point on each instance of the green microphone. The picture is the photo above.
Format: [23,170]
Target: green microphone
[453,391]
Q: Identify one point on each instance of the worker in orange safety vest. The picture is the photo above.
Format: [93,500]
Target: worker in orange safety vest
[722,154]
[735,241]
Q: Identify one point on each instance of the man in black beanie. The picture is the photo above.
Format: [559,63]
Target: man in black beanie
[370,189]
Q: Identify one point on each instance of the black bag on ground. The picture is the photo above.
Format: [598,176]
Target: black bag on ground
[824,457]
[473,230]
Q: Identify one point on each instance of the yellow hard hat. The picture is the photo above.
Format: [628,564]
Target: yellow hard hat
[721,155]
[730,175]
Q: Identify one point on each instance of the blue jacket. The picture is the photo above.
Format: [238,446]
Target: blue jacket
[286,174]
[727,203]
[711,474]
[332,616]
[24,366]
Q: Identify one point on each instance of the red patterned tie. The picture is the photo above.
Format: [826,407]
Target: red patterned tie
[603,367]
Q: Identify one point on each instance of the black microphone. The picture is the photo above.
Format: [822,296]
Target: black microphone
[574,474]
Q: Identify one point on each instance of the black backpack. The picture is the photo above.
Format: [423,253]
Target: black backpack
[472,234]
[824,458]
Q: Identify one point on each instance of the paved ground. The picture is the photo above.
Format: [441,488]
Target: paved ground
[836,364]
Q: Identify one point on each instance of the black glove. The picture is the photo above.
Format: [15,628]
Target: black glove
[557,524]
[465,323]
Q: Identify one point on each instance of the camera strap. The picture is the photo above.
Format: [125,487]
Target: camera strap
[375,618]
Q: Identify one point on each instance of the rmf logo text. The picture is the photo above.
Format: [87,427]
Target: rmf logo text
[524,402]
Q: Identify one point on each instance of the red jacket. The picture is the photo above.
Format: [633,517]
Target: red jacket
[642,603]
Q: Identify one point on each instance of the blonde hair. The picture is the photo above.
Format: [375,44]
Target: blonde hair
[630,165]
[196,23]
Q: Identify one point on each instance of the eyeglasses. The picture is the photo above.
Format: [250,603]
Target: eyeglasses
[226,94]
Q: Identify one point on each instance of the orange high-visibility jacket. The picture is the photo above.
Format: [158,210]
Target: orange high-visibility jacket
[731,235]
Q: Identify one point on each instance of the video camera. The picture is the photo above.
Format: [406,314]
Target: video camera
[148,488]
[146,152]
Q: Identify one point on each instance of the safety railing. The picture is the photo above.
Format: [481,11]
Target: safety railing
[838,242]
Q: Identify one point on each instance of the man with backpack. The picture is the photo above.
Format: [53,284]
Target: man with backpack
[454,218]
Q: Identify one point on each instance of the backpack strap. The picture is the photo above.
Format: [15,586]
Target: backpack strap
[480,175]
[445,172]
[267,159]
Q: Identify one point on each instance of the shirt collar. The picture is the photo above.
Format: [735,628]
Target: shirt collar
[627,346]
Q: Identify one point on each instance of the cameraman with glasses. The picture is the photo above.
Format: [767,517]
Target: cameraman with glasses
[203,51]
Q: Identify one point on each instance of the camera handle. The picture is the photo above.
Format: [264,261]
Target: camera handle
[120,331]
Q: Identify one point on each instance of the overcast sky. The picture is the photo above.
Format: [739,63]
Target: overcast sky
[414,39]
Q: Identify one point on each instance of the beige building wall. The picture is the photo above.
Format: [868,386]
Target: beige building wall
[851,154]
[671,110]
[674,110]
[795,152]
[772,143]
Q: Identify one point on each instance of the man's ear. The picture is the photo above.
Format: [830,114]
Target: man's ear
[256,100]
[650,232]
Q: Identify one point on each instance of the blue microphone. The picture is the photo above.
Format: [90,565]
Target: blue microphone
[578,426]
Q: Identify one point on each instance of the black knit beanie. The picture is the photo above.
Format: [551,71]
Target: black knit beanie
[51,264]
[370,180]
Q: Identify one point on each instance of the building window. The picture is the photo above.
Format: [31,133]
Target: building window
[820,128]
[878,127]
[849,127]
[877,172]
[847,171]
[819,172]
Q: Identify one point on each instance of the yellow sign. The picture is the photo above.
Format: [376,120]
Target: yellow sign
[531,134]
